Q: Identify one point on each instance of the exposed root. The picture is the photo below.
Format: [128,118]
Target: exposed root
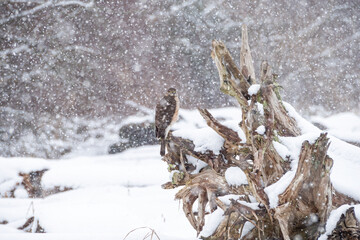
[306,203]
[204,187]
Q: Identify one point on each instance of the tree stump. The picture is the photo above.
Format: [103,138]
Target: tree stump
[303,208]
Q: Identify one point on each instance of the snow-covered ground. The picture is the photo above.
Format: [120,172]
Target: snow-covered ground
[112,195]
[345,126]
[115,194]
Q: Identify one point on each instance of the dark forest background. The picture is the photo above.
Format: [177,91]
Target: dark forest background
[61,61]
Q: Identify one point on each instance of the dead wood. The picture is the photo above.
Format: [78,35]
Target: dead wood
[32,225]
[309,193]
[204,187]
[304,206]
[246,62]
[285,125]
[228,72]
[228,134]
[348,227]
[186,146]
[32,183]
[339,199]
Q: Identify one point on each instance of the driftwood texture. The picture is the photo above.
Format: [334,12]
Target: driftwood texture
[304,206]
[347,227]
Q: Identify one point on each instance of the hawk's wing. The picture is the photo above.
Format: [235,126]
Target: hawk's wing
[165,111]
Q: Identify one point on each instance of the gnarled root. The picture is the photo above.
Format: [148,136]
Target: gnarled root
[204,187]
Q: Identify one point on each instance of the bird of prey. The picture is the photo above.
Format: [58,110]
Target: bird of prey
[167,112]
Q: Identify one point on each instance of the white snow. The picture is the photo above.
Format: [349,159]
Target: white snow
[281,150]
[21,193]
[192,126]
[212,222]
[334,218]
[115,194]
[112,194]
[234,125]
[260,107]
[273,191]
[304,125]
[205,139]
[345,126]
[13,166]
[226,200]
[193,119]
[248,226]
[235,176]
[253,89]
[261,130]
[108,170]
[346,166]
[197,163]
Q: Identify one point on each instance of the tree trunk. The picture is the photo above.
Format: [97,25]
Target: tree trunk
[303,208]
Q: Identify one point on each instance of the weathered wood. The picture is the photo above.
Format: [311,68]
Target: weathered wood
[257,187]
[246,62]
[228,134]
[204,186]
[285,125]
[303,207]
[187,146]
[348,227]
[267,162]
[309,193]
[227,68]
[341,199]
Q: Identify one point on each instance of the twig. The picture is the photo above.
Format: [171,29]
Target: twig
[152,232]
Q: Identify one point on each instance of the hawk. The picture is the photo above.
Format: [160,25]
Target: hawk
[167,112]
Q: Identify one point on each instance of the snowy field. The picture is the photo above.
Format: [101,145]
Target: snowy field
[114,194]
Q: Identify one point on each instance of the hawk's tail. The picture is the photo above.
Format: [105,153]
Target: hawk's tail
[162,148]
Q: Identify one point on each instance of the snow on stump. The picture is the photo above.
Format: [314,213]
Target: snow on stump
[238,207]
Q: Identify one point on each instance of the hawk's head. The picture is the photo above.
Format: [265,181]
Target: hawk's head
[171,92]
